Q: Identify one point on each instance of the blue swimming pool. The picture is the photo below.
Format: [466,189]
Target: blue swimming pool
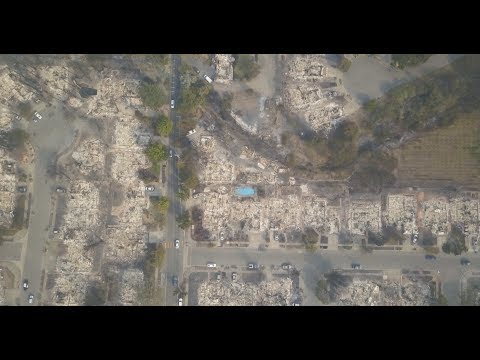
[245,191]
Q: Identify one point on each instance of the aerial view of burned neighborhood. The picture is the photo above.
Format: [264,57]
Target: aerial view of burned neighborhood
[240,180]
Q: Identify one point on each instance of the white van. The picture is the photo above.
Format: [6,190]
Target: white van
[208,79]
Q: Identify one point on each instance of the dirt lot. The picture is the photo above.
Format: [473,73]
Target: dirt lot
[443,156]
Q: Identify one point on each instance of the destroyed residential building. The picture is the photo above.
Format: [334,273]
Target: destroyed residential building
[70,289]
[364,215]
[278,292]
[131,284]
[89,157]
[385,293]
[464,211]
[402,211]
[223,68]
[435,215]
[7,189]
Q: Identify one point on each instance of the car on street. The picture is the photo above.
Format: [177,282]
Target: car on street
[196,195]
[60,189]
[37,116]
[174,281]
[287,266]
[171,153]
[206,77]
[234,276]
[30,299]
[172,104]
[415,238]
[211,265]
[22,189]
[55,231]
[430,257]
[219,276]
[149,188]
[180,302]
[196,70]
[25,284]
[177,244]
[356,266]
[465,262]
[252,266]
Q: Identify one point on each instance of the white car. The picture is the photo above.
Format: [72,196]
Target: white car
[234,276]
[180,302]
[172,104]
[30,299]
[37,117]
[177,244]
[25,284]
[149,188]
[211,265]
[171,153]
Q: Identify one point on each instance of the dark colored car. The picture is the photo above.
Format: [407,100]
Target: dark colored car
[465,262]
[174,281]
[22,189]
[356,266]
[430,257]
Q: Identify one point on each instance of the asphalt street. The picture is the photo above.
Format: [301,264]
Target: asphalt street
[312,265]
[174,257]
[49,136]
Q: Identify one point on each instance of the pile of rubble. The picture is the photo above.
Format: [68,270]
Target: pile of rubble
[132,280]
[401,211]
[318,215]
[70,289]
[435,215]
[6,121]
[284,212]
[90,156]
[464,211]
[304,93]
[278,292]
[57,80]
[223,68]
[12,90]
[218,171]
[385,293]
[7,189]
[364,215]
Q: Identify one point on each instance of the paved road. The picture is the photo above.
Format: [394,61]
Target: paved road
[312,265]
[49,136]
[174,257]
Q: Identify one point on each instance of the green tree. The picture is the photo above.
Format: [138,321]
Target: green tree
[344,64]
[184,220]
[152,95]
[456,242]
[245,67]
[161,204]
[164,126]
[192,181]
[183,193]
[156,152]
[405,60]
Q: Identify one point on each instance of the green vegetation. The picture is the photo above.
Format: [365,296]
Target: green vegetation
[164,126]
[374,238]
[19,213]
[160,204]
[184,220]
[156,153]
[310,236]
[148,175]
[392,235]
[25,109]
[344,64]
[321,291]
[343,145]
[405,60]
[159,59]
[152,95]
[456,242]
[373,171]
[183,193]
[441,300]
[245,67]
[193,96]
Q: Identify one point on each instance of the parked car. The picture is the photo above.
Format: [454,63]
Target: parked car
[177,244]
[149,188]
[60,189]
[171,153]
[22,189]
[219,276]
[172,104]
[55,231]
[356,266]
[196,70]
[180,302]
[211,265]
[465,262]
[415,238]
[30,299]
[252,266]
[430,257]
[25,284]
[37,117]
[174,281]
[286,266]
[234,276]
